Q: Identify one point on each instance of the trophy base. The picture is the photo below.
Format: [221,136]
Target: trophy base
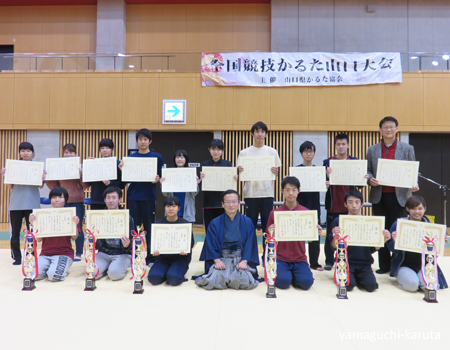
[138,287]
[90,285]
[341,292]
[430,296]
[28,284]
[271,292]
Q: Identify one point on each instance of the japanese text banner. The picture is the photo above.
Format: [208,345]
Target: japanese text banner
[300,69]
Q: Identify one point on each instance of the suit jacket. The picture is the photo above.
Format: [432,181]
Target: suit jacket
[403,151]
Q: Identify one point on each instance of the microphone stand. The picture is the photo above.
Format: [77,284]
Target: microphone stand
[444,189]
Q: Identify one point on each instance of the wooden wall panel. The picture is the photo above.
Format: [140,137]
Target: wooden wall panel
[53,28]
[68,100]
[244,27]
[214,108]
[9,149]
[141,101]
[289,106]
[365,103]
[436,100]
[104,99]
[263,28]
[198,27]
[29,36]
[150,33]
[9,24]
[7,101]
[221,19]
[133,28]
[327,106]
[81,27]
[250,103]
[32,101]
[174,28]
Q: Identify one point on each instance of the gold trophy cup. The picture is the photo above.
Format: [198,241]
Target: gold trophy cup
[271,268]
[430,272]
[90,264]
[341,272]
[139,262]
[29,264]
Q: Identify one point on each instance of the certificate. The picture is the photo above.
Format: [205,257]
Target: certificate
[108,223]
[312,178]
[20,172]
[362,231]
[66,168]
[54,222]
[397,173]
[410,235]
[179,180]
[219,178]
[139,169]
[298,225]
[348,172]
[257,168]
[171,238]
[99,169]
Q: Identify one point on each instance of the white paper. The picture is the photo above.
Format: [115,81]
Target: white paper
[171,238]
[99,169]
[66,168]
[20,172]
[179,180]
[219,178]
[139,169]
[397,173]
[348,172]
[312,178]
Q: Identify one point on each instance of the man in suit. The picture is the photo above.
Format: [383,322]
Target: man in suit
[388,201]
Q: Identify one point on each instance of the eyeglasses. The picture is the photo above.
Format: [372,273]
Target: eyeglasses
[230,202]
[388,127]
[308,152]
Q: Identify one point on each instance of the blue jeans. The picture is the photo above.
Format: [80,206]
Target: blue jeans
[164,270]
[296,273]
[79,242]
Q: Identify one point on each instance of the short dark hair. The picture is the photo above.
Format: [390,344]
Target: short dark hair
[388,119]
[181,152]
[307,145]
[70,147]
[291,180]
[112,189]
[144,132]
[259,125]
[341,136]
[172,201]
[58,192]
[354,193]
[26,146]
[106,143]
[414,201]
[230,192]
[216,143]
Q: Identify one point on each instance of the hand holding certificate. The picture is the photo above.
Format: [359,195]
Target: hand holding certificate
[348,172]
[362,231]
[410,235]
[179,180]
[312,178]
[66,168]
[54,222]
[171,238]
[257,168]
[108,223]
[139,169]
[397,173]
[20,172]
[298,225]
[219,178]
[100,169]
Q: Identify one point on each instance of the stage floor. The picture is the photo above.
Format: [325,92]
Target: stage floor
[62,316]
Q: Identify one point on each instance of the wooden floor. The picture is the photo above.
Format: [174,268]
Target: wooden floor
[62,316]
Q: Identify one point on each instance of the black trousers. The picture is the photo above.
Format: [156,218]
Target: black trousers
[363,277]
[209,214]
[388,207]
[15,218]
[314,252]
[263,207]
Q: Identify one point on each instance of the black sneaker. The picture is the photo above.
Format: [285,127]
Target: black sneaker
[382,271]
[328,267]
[17,262]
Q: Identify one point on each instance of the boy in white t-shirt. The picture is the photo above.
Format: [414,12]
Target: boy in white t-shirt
[258,195]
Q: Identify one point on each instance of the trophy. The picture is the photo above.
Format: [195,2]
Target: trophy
[30,262]
[341,279]
[270,264]
[138,260]
[429,270]
[89,257]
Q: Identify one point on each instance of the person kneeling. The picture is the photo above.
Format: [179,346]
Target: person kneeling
[114,255]
[170,267]
[230,249]
[57,253]
[360,259]
[407,266]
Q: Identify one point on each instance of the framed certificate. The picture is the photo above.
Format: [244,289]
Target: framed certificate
[108,223]
[397,173]
[362,231]
[54,222]
[410,235]
[348,172]
[171,238]
[20,172]
[179,180]
[99,169]
[219,178]
[312,178]
[257,168]
[66,168]
[139,169]
[296,225]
